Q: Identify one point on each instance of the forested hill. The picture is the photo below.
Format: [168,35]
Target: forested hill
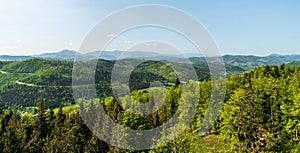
[295,63]
[33,65]
[247,62]
[22,82]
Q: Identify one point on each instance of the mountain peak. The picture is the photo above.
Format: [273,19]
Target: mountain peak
[66,51]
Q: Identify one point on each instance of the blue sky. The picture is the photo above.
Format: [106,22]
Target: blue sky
[239,27]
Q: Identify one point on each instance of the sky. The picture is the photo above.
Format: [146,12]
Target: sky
[238,27]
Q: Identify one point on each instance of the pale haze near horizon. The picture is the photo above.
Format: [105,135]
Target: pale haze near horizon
[239,27]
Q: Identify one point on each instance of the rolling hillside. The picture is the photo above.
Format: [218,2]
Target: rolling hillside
[250,62]
[295,63]
[23,82]
[246,62]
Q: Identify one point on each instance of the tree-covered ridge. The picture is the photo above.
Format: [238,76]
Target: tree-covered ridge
[22,82]
[39,70]
[3,63]
[249,62]
[295,63]
[51,76]
[200,63]
[33,65]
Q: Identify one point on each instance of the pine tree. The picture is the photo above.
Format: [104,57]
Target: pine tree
[41,129]
[25,132]
[11,141]
[42,121]
[96,145]
[77,135]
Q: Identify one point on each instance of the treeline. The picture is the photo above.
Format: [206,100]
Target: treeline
[15,95]
[46,132]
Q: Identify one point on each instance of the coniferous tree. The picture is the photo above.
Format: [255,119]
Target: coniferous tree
[10,138]
[41,129]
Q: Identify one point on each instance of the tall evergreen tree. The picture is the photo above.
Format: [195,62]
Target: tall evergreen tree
[12,143]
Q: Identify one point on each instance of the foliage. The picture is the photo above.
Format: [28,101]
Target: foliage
[261,112]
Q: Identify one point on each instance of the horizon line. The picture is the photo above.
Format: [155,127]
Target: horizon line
[225,54]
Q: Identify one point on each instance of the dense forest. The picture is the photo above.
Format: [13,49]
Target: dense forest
[261,112]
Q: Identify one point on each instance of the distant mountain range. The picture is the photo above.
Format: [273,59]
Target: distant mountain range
[70,55]
[247,62]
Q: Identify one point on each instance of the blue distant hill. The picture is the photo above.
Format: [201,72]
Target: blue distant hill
[246,62]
